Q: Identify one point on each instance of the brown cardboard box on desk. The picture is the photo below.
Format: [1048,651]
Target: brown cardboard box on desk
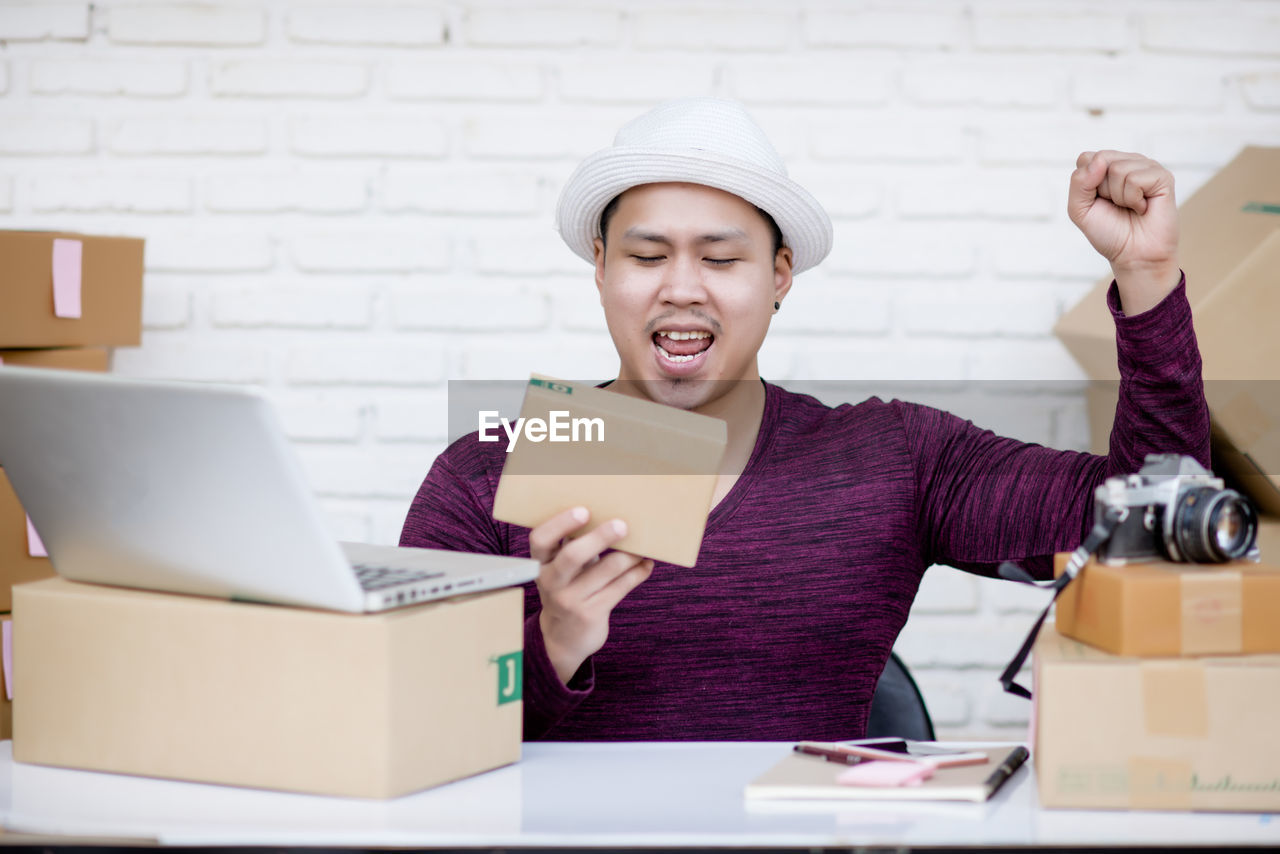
[1230,251]
[108,279]
[294,699]
[1114,732]
[1172,609]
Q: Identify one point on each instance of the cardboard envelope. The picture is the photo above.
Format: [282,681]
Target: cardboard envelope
[653,466]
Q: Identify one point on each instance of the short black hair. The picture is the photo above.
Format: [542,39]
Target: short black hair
[612,207]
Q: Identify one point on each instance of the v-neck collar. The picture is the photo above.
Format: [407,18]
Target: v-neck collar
[764,442]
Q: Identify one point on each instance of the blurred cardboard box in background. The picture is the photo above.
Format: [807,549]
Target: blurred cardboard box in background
[65,298]
[294,699]
[108,286]
[1113,732]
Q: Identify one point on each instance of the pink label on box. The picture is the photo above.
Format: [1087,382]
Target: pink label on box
[35,547]
[7,629]
[67,255]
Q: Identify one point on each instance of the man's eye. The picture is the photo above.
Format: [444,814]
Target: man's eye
[647,259]
[720,262]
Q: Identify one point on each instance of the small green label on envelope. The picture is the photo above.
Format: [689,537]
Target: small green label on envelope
[510,677]
[1261,207]
[551,386]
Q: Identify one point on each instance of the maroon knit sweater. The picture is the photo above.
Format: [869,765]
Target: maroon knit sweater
[809,565]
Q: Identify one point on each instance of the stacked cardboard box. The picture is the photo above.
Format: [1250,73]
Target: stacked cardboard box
[67,298]
[1173,609]
[1121,732]
[1157,687]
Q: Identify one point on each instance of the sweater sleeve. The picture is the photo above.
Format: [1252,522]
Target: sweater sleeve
[453,509]
[984,499]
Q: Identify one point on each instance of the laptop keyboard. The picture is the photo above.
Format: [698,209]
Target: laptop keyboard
[374,577]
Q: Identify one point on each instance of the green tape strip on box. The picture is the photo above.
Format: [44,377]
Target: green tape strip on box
[550,386]
[510,677]
[1261,207]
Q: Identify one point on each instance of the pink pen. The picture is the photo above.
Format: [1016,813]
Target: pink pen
[937,761]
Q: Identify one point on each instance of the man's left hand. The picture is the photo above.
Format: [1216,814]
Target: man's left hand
[1124,205]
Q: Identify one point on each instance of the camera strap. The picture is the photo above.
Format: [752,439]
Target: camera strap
[1101,531]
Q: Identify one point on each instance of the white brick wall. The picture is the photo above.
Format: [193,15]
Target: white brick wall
[185,24]
[392,26]
[1049,30]
[21,22]
[467,80]
[350,205]
[43,135]
[108,77]
[369,136]
[190,134]
[289,79]
[138,192]
[537,25]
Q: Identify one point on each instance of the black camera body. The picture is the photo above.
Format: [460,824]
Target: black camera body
[1173,509]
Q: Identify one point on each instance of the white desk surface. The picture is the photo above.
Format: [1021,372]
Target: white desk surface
[581,795]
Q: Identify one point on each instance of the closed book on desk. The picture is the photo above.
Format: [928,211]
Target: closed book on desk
[800,776]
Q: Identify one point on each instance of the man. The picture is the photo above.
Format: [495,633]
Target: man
[824,519]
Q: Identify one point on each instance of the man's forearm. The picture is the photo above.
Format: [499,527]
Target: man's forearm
[1141,288]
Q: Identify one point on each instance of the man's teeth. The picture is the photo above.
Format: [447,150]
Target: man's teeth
[672,358]
[673,335]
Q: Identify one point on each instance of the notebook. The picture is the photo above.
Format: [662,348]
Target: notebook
[193,488]
[800,776]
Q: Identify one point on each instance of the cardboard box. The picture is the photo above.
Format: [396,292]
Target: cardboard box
[1240,469]
[1227,229]
[1155,734]
[63,358]
[1230,251]
[651,465]
[16,564]
[201,689]
[1269,539]
[110,291]
[6,702]
[1172,609]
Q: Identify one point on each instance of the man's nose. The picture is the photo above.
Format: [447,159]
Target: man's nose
[682,281]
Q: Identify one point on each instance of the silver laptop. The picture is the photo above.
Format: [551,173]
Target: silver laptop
[193,488]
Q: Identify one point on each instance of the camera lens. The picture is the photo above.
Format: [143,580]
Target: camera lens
[1213,525]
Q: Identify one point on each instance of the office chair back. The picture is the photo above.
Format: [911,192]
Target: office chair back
[898,708]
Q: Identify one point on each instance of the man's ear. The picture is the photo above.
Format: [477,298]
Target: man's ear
[598,244]
[782,273]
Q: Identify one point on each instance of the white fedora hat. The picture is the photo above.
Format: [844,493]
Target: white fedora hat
[705,141]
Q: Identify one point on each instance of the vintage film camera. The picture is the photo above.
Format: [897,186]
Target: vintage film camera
[1175,511]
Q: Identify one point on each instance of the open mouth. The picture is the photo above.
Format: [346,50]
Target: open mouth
[681,349]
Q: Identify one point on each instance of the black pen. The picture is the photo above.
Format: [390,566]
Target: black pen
[827,754]
[1011,763]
